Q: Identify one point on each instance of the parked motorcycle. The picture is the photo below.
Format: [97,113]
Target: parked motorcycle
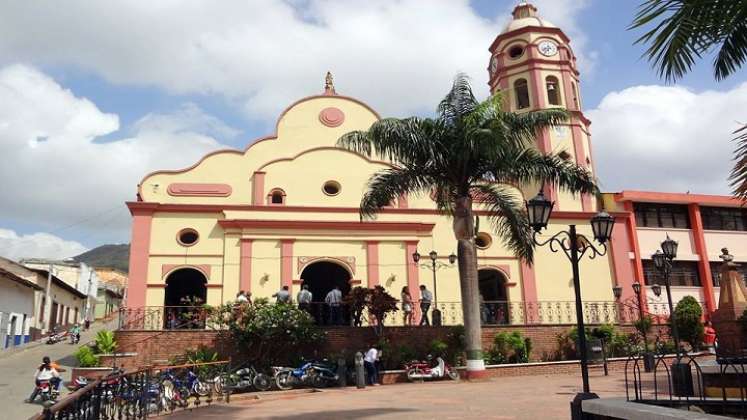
[56,336]
[243,379]
[77,383]
[419,370]
[313,374]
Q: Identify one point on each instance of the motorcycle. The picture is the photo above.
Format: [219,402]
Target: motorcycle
[47,391]
[419,370]
[309,373]
[56,336]
[74,338]
[243,379]
[77,383]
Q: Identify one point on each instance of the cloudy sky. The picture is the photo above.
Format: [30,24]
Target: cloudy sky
[95,94]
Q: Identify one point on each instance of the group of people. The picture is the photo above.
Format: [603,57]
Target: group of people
[48,371]
[426,299]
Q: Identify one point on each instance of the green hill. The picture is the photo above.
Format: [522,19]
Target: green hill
[116,256]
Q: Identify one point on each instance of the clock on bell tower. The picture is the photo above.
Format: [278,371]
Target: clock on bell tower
[534,68]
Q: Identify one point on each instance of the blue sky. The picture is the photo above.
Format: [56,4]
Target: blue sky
[145,80]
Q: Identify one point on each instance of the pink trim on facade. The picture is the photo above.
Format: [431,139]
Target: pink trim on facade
[529,292]
[193,189]
[637,262]
[286,262]
[503,268]
[620,258]
[413,274]
[245,265]
[139,249]
[258,188]
[348,263]
[168,269]
[327,225]
[678,198]
[580,152]
[316,149]
[273,192]
[534,29]
[704,266]
[402,202]
[332,117]
[372,263]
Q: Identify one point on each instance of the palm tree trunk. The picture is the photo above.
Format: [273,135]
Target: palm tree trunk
[467,257]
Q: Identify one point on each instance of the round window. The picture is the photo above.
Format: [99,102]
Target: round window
[187,237]
[515,51]
[331,188]
[483,240]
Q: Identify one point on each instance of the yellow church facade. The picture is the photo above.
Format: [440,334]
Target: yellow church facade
[284,211]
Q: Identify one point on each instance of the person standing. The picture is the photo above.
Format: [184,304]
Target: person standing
[369,362]
[333,301]
[407,306]
[426,297]
[283,295]
[241,298]
[304,298]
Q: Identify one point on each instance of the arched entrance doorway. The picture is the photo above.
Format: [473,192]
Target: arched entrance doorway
[184,287]
[492,284]
[321,277]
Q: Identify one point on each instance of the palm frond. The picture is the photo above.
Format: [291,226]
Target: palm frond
[388,185]
[506,214]
[459,102]
[523,128]
[738,177]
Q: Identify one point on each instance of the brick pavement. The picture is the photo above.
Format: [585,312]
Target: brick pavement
[527,397]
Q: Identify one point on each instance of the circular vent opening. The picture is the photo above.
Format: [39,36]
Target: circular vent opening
[483,240]
[516,51]
[187,237]
[331,188]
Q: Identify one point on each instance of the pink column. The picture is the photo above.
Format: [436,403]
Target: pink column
[286,257]
[245,267]
[704,266]
[413,276]
[637,263]
[258,188]
[578,147]
[620,250]
[139,250]
[529,293]
[372,263]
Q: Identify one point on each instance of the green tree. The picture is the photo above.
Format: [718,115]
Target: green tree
[681,32]
[380,303]
[687,315]
[470,149]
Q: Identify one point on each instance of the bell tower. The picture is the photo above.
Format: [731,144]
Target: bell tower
[533,66]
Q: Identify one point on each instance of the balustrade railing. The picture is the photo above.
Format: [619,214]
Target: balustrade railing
[491,313]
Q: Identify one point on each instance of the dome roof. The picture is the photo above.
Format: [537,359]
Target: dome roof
[524,15]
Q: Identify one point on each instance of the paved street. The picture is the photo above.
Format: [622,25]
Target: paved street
[17,371]
[528,397]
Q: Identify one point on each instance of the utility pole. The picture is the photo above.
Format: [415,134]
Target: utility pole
[88,295]
[47,302]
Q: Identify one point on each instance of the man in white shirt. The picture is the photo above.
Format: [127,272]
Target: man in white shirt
[369,362]
[333,301]
[241,297]
[426,297]
[304,298]
[283,295]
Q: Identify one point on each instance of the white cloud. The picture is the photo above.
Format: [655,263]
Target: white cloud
[399,55]
[667,138]
[55,173]
[38,245]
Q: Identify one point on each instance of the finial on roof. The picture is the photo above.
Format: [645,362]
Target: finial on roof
[524,10]
[329,85]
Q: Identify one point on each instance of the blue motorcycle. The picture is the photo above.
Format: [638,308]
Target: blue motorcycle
[315,374]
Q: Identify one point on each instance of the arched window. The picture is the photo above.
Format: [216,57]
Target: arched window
[575,95]
[276,197]
[521,89]
[553,90]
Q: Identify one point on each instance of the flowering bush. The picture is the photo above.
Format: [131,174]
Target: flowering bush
[269,334]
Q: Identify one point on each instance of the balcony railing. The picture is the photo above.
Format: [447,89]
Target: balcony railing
[491,313]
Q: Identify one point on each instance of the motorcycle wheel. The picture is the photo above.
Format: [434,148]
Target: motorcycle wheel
[318,381]
[184,397]
[262,382]
[284,380]
[453,374]
[223,383]
[415,374]
[201,388]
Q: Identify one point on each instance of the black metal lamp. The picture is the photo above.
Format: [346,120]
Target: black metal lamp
[617,292]
[602,225]
[669,246]
[433,255]
[659,260]
[656,288]
[416,256]
[637,288]
[452,258]
[538,211]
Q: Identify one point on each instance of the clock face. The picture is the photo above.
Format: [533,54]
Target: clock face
[548,48]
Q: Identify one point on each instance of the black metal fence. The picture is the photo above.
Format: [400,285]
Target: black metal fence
[712,386]
[142,394]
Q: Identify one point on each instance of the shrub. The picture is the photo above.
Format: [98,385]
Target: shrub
[687,316]
[105,343]
[380,304]
[509,348]
[643,326]
[86,357]
[439,348]
[743,321]
[356,300]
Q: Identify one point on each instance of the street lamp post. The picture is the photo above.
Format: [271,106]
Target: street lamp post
[433,266]
[574,246]
[663,262]
[648,357]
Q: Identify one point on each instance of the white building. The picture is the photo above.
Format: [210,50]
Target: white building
[17,298]
[77,274]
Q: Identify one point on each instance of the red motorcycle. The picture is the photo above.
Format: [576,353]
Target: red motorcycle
[419,370]
[47,391]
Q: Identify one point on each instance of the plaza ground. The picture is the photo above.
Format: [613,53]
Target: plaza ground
[17,373]
[522,397]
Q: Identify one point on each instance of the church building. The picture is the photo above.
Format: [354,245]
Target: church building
[284,211]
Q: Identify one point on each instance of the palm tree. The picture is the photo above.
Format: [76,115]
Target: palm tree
[470,151]
[684,31]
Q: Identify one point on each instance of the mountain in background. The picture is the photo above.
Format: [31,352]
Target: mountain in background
[116,256]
